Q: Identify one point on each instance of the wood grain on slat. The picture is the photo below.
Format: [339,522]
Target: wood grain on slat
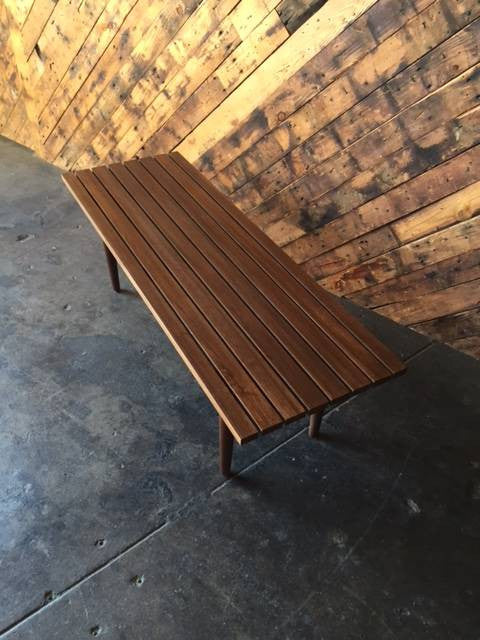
[193,282]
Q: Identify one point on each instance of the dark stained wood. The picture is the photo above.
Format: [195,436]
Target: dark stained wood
[112,269]
[314,425]
[332,353]
[265,343]
[167,239]
[226,448]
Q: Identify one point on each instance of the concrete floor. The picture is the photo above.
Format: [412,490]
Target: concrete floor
[114,521]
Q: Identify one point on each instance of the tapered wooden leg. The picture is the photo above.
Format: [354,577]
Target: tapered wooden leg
[112,268]
[314,426]
[226,448]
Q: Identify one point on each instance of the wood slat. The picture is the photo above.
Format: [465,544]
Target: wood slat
[439,275]
[454,240]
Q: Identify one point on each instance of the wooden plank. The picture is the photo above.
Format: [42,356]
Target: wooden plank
[294,13]
[287,59]
[170,243]
[17,123]
[314,300]
[367,74]
[461,205]
[397,168]
[470,345]
[333,58]
[34,24]
[23,111]
[12,88]
[420,5]
[19,10]
[455,240]
[451,329]
[247,15]
[212,383]
[157,36]
[453,300]
[405,199]
[127,116]
[200,64]
[95,45]
[462,323]
[355,252]
[302,167]
[241,21]
[234,303]
[112,59]
[439,275]
[260,43]
[70,28]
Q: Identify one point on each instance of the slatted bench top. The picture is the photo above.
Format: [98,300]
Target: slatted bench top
[266,344]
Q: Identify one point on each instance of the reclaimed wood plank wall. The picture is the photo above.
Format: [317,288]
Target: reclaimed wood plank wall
[347,129]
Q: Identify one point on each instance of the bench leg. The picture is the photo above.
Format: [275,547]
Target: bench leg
[112,269]
[314,425]
[226,447]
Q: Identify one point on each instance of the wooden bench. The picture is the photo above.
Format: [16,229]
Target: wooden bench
[265,343]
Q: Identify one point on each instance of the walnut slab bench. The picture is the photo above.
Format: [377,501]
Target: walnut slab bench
[264,342]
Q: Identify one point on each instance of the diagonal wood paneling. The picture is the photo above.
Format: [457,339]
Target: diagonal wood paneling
[348,130]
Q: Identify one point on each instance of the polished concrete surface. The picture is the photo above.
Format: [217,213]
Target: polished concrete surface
[114,521]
